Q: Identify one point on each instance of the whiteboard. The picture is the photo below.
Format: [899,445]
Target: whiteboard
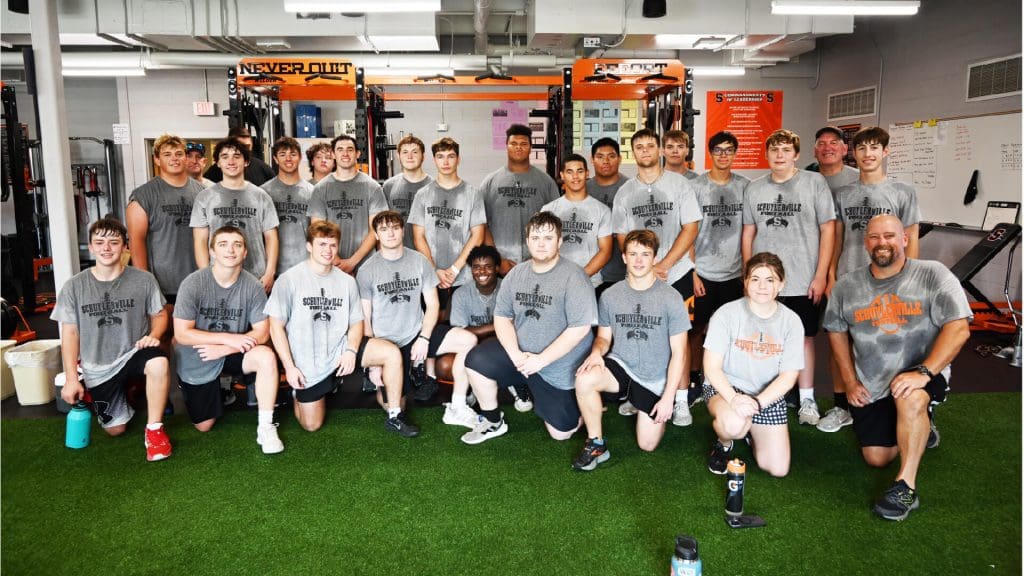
[938,157]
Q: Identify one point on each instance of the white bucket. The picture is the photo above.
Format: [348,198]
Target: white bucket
[34,365]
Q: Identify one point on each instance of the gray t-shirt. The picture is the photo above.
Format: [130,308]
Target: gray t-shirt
[249,209]
[857,203]
[788,217]
[583,224]
[663,207]
[848,175]
[511,199]
[642,323]
[690,175]
[393,288]
[215,309]
[894,322]
[292,203]
[169,237]
[615,269]
[717,246]
[542,306]
[111,317]
[350,204]
[447,216]
[399,192]
[471,308]
[317,311]
[755,350]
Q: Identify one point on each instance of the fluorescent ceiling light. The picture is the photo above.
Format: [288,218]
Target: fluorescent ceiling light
[718,70]
[96,72]
[846,7]
[355,6]
[691,41]
[421,71]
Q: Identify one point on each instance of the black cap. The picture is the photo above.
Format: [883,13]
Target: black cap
[831,129]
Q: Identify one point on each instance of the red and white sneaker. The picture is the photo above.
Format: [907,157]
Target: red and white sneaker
[158,445]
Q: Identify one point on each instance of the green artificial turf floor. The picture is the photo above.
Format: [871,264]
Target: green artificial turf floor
[354,499]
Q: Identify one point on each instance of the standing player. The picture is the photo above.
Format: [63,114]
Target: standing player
[256,170]
[789,212]
[290,194]
[642,330]
[664,203]
[676,149]
[905,320]
[112,319]
[350,199]
[717,260]
[604,185]
[235,202]
[512,194]
[220,328]
[400,189]
[321,161]
[872,194]
[316,324]
[830,152]
[586,221]
[542,319]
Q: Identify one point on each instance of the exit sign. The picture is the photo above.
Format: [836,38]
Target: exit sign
[204,109]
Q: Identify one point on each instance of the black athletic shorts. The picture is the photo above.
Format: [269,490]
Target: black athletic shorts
[685,285]
[717,294]
[203,401]
[807,310]
[437,337]
[313,393]
[170,298]
[630,389]
[875,424]
[109,399]
[555,406]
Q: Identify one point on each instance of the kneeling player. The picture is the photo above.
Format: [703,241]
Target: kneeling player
[643,322]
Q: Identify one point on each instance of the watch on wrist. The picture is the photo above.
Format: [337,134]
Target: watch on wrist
[922,369]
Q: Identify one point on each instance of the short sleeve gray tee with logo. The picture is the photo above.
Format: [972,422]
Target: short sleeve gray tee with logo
[542,306]
[755,350]
[860,202]
[788,217]
[615,269]
[717,246]
[510,200]
[642,322]
[399,192]
[583,224]
[169,246]
[393,288]
[250,209]
[214,308]
[291,203]
[471,308]
[111,317]
[663,207]
[894,322]
[447,217]
[350,204]
[317,311]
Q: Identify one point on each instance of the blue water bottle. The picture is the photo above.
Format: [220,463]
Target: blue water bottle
[77,433]
[686,561]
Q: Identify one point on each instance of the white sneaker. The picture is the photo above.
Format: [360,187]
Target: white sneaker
[808,413]
[459,415]
[627,409]
[835,419]
[681,410]
[266,436]
[523,405]
[484,430]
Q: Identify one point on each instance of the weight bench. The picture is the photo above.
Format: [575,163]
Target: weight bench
[981,254]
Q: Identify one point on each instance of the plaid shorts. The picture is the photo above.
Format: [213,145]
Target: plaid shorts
[773,414]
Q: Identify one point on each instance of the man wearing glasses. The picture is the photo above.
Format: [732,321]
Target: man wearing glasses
[717,260]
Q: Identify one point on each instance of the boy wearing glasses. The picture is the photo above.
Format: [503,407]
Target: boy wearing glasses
[717,260]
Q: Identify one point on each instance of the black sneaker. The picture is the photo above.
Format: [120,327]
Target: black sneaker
[592,455]
[401,426]
[694,394]
[933,436]
[719,458]
[426,390]
[792,398]
[897,502]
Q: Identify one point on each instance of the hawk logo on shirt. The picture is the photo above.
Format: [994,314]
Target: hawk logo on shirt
[235,215]
[888,312]
[859,215]
[222,318]
[759,346]
[778,211]
[534,302]
[290,211]
[181,211]
[344,206]
[722,213]
[652,212]
[108,311]
[638,323]
[443,215]
[574,230]
[396,290]
[322,304]
[516,194]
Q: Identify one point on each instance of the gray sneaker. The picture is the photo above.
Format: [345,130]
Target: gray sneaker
[485,430]
[933,436]
[835,419]
[627,409]
[808,413]
[681,410]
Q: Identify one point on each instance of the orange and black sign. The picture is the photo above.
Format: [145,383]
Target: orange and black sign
[294,71]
